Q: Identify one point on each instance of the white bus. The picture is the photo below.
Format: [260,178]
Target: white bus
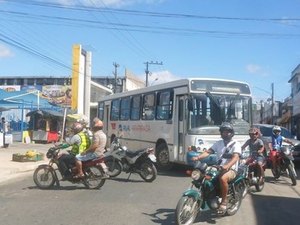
[174,116]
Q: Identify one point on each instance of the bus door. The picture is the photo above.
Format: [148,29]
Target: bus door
[106,125]
[179,131]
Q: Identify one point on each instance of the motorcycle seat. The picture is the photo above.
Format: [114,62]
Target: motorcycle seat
[93,161]
[132,154]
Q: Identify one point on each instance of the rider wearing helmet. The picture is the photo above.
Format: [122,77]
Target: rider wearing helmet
[228,152]
[256,147]
[98,145]
[276,143]
[79,142]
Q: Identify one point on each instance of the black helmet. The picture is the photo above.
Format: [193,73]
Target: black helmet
[226,126]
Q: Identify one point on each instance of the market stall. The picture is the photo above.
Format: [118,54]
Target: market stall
[45,125]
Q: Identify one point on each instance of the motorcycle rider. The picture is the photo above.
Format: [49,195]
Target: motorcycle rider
[276,143]
[97,148]
[228,152]
[79,142]
[256,147]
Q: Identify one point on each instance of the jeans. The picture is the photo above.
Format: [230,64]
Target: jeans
[66,162]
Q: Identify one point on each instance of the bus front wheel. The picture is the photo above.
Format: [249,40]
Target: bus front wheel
[163,157]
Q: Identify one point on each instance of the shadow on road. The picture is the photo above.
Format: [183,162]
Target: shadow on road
[176,171]
[277,210]
[163,216]
[131,180]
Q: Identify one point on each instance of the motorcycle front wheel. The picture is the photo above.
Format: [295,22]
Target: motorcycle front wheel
[93,177]
[148,171]
[292,173]
[186,210]
[276,171]
[44,177]
[114,167]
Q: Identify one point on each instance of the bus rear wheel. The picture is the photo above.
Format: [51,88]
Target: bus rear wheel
[163,157]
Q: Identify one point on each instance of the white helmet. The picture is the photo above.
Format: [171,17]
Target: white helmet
[276,129]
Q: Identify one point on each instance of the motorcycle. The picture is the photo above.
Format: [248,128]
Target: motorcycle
[45,176]
[204,193]
[120,159]
[250,168]
[284,162]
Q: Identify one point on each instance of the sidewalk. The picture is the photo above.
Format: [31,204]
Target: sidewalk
[10,169]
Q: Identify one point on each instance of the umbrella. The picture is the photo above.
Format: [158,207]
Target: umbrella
[78,118]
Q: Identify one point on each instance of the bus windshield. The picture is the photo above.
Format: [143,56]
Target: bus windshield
[208,111]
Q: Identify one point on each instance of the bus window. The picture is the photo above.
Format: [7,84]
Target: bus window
[101,110]
[125,108]
[200,111]
[148,106]
[115,109]
[135,108]
[164,106]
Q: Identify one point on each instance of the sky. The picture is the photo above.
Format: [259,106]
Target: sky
[256,41]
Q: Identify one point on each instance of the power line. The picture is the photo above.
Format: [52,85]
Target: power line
[151,29]
[149,13]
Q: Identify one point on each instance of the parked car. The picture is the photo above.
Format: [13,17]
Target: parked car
[266,132]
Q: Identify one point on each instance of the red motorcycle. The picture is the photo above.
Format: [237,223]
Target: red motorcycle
[251,170]
[284,163]
[254,177]
[45,176]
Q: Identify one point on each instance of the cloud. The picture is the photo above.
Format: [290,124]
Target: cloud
[5,52]
[256,69]
[159,77]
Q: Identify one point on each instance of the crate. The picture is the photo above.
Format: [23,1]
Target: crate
[23,158]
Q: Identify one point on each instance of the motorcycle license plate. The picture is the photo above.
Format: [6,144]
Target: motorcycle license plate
[152,157]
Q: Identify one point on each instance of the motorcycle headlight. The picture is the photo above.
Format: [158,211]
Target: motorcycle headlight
[196,174]
[286,150]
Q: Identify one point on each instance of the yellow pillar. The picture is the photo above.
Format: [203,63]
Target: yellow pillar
[75,75]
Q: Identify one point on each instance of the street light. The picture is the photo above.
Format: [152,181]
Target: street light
[154,81]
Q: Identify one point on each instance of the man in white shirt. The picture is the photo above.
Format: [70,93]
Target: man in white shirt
[228,152]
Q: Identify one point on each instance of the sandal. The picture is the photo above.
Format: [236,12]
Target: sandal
[222,209]
[79,176]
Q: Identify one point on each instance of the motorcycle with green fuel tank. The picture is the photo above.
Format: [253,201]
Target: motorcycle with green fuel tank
[204,194]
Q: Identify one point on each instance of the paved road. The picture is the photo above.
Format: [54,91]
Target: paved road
[134,202]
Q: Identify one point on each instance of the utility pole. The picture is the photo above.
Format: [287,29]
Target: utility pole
[147,69]
[116,76]
[272,106]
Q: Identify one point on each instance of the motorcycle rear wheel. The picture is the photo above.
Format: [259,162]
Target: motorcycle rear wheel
[260,185]
[93,177]
[243,188]
[234,206]
[186,210]
[44,177]
[148,171]
[292,173]
[114,167]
